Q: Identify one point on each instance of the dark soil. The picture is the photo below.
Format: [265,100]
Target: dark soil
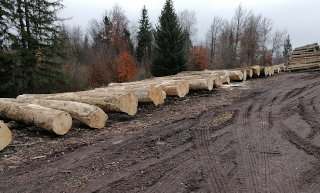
[258,136]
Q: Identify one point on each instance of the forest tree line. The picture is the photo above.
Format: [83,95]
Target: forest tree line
[40,54]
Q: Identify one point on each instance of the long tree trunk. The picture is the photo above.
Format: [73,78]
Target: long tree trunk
[56,121]
[109,101]
[145,93]
[90,115]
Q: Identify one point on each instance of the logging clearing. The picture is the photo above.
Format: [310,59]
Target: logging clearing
[54,112]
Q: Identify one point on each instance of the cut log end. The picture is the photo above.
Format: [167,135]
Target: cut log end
[217,82]
[129,103]
[61,123]
[157,95]
[181,91]
[5,136]
[98,119]
[244,75]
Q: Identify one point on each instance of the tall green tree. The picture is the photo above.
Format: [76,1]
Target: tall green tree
[36,43]
[287,48]
[169,53]
[7,64]
[143,51]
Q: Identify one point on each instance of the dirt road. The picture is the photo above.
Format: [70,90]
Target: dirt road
[261,137]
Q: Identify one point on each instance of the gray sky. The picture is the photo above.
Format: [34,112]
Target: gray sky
[300,18]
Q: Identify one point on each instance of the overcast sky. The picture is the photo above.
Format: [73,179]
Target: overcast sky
[300,18]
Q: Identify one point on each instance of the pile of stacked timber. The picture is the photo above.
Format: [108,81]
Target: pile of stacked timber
[305,57]
[54,112]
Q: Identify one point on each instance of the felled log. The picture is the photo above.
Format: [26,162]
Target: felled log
[276,69]
[55,121]
[235,75]
[5,136]
[90,115]
[256,70]
[249,72]
[307,55]
[216,76]
[305,61]
[178,88]
[144,93]
[111,101]
[308,46]
[244,75]
[298,67]
[264,70]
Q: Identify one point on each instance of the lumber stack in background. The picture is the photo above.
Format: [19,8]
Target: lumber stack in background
[5,135]
[304,57]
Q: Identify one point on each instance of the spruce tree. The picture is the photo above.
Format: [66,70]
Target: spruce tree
[144,37]
[7,65]
[34,43]
[169,53]
[287,48]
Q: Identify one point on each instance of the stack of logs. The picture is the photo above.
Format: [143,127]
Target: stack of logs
[54,112]
[304,58]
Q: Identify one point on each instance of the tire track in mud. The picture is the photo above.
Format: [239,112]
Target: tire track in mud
[217,179]
[253,140]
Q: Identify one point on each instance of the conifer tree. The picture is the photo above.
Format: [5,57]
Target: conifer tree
[144,37]
[35,41]
[169,53]
[287,48]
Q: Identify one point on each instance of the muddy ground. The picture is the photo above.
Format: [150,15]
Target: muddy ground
[260,136]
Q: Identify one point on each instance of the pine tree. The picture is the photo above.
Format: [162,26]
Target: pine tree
[169,53]
[36,43]
[287,48]
[144,37]
[8,80]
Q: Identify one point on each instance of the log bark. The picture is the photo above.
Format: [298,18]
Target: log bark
[175,87]
[5,136]
[56,121]
[298,67]
[144,93]
[111,101]
[308,46]
[170,87]
[217,82]
[90,115]
[236,75]
[309,55]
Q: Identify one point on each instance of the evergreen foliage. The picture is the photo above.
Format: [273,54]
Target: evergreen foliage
[169,53]
[35,43]
[287,48]
[144,37]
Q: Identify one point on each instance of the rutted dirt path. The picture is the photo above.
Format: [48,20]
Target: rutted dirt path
[261,137]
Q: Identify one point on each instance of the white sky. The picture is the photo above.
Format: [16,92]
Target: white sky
[301,18]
